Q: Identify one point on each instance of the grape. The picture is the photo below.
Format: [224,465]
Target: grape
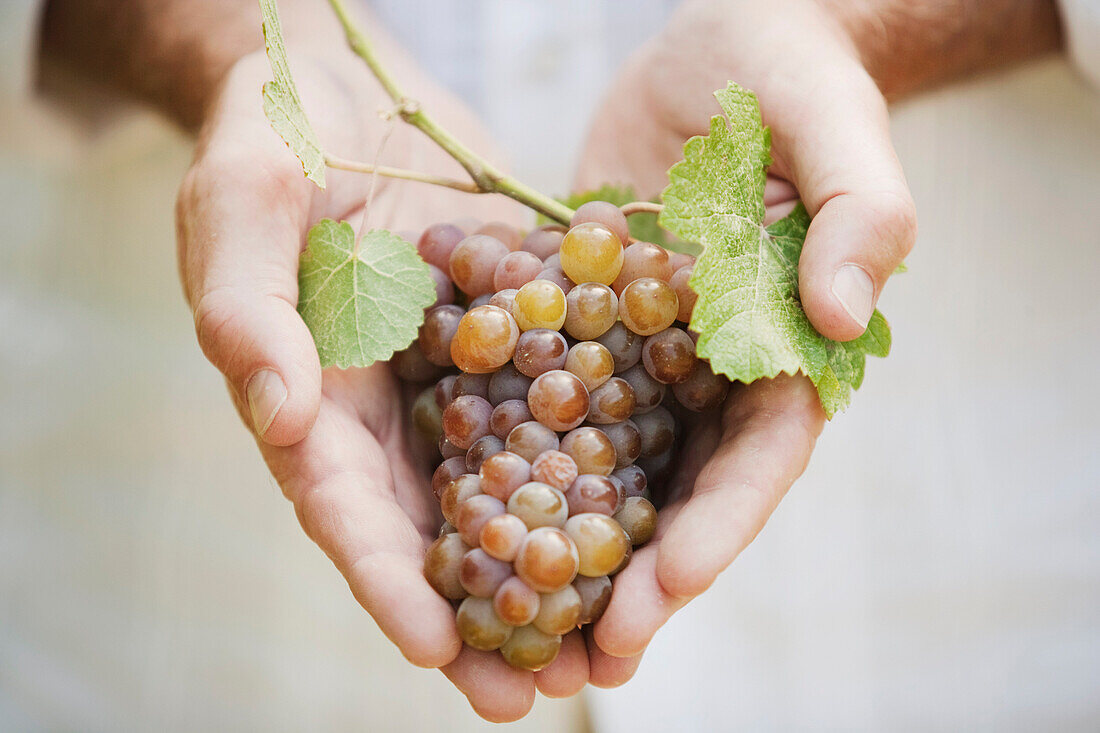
[591,253]
[483,447]
[481,574]
[485,339]
[680,260]
[473,261]
[471,384]
[657,429]
[558,400]
[504,299]
[528,648]
[528,439]
[482,299]
[502,535]
[669,356]
[447,449]
[648,392]
[444,288]
[508,384]
[507,415]
[592,451]
[444,391]
[544,241]
[591,309]
[625,346]
[447,472]
[557,276]
[592,494]
[559,611]
[505,233]
[638,518]
[591,362]
[626,559]
[648,305]
[539,304]
[633,478]
[427,418]
[479,626]
[554,468]
[440,324]
[601,543]
[516,270]
[441,566]
[539,350]
[502,473]
[602,212]
[643,259]
[466,419]
[547,560]
[456,492]
[685,296]
[515,603]
[446,528]
[412,366]
[595,594]
[703,389]
[437,243]
[553,261]
[657,467]
[611,402]
[627,440]
[538,505]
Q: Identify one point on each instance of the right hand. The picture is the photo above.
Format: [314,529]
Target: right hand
[338,442]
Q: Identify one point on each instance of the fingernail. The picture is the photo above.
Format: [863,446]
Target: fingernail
[266,394]
[853,287]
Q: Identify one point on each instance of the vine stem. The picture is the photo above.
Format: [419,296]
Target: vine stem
[638,207]
[486,177]
[355,166]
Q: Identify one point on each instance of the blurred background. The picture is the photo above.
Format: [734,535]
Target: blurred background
[937,567]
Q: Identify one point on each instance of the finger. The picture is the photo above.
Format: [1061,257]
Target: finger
[769,434]
[339,480]
[639,606]
[497,691]
[240,233]
[834,142]
[568,673]
[607,671]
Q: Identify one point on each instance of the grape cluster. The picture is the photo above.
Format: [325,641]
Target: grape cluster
[554,417]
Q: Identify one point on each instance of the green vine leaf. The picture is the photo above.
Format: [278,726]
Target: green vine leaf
[361,302]
[283,106]
[749,316]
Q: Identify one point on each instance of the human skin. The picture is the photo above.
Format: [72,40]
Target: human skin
[339,442]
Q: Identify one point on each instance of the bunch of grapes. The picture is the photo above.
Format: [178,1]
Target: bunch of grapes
[566,378]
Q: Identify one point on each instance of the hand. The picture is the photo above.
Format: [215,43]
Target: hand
[831,146]
[338,443]
[830,137]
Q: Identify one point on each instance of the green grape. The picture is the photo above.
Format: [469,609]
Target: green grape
[479,626]
[648,305]
[441,566]
[547,560]
[601,543]
[591,309]
[638,518]
[669,356]
[591,362]
[539,304]
[485,339]
[528,648]
[591,252]
[558,400]
[559,611]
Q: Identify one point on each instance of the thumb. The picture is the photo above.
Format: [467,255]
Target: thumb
[834,142]
[239,248]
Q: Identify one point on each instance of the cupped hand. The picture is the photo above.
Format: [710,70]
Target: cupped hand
[339,443]
[832,149]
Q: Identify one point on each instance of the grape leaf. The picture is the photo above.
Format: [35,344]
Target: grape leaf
[361,303]
[749,316]
[282,105]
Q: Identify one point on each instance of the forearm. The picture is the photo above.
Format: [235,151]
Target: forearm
[172,54]
[909,45]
